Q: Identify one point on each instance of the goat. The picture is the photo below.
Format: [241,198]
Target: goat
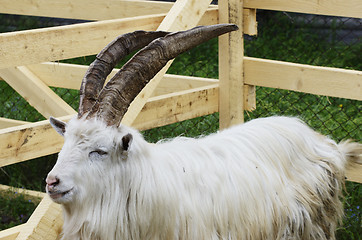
[269,178]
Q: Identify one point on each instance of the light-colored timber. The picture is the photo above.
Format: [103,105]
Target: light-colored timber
[169,98]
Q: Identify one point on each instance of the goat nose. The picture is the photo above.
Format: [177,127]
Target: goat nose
[52,180]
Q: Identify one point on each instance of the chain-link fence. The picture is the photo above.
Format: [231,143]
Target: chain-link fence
[299,38]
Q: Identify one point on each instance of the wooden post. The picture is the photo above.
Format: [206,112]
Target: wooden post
[231,52]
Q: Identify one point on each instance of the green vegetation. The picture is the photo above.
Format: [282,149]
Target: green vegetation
[279,38]
[15,208]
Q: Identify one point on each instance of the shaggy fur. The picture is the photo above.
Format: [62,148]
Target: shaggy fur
[271,178]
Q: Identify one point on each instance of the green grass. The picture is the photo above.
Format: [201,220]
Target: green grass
[15,208]
[278,39]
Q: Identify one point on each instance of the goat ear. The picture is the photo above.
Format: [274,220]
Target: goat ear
[126,141]
[58,125]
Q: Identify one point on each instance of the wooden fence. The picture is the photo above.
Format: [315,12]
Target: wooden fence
[25,64]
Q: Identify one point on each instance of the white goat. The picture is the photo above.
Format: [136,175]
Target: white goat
[271,178]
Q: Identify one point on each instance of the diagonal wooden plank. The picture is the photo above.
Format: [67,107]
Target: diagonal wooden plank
[45,222]
[11,233]
[183,15]
[36,92]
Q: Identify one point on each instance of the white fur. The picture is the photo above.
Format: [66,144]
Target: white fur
[271,178]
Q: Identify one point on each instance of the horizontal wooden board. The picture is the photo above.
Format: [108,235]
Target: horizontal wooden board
[84,9]
[33,140]
[56,43]
[333,82]
[70,76]
[94,10]
[343,8]
[28,141]
[179,106]
[22,191]
[174,83]
[30,144]
[6,123]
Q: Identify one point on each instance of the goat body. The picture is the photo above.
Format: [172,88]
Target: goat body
[270,178]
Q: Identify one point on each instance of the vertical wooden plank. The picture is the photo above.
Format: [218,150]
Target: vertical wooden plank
[183,15]
[250,25]
[231,52]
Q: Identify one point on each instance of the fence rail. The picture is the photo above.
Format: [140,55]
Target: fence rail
[172,98]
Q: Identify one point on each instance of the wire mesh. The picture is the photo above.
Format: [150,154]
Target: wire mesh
[300,38]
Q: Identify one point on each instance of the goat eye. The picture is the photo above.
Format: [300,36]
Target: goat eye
[97,152]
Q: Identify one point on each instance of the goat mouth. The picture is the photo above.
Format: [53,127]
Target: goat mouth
[55,195]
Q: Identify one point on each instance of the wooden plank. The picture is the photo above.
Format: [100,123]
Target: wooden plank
[70,76]
[334,82]
[355,174]
[34,140]
[231,65]
[84,9]
[95,9]
[62,75]
[249,97]
[39,139]
[11,233]
[184,14]
[183,105]
[5,122]
[45,222]
[22,191]
[343,8]
[56,43]
[29,141]
[33,90]
[179,106]
[249,22]
[171,83]
[210,17]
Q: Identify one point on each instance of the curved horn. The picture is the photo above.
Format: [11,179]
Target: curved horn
[106,60]
[120,91]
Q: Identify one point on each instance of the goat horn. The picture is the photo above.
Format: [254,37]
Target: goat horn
[119,92]
[106,60]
